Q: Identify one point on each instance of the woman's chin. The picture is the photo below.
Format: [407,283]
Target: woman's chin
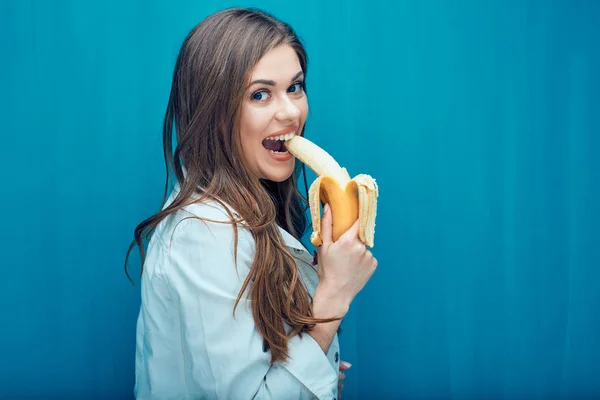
[279,173]
[278,177]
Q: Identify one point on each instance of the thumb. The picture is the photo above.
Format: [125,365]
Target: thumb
[326,226]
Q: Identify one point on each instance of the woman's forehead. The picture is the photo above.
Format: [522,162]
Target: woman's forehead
[279,65]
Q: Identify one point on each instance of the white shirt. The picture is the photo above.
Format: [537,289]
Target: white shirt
[189,345]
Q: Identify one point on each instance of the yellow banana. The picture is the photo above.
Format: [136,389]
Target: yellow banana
[349,198]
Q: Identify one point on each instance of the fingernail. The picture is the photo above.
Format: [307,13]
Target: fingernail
[346,364]
[326,208]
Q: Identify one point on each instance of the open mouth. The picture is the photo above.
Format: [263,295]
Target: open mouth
[276,144]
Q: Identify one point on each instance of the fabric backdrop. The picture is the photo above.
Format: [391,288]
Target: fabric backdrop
[480,121]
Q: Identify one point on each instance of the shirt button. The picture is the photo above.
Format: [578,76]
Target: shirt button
[336,356]
[298,250]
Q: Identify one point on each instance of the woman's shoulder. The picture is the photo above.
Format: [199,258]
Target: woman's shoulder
[203,208]
[210,209]
[206,219]
[195,238]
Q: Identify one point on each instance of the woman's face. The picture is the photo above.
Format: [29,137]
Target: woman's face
[274,105]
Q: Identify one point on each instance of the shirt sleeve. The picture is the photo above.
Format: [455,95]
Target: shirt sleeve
[223,354]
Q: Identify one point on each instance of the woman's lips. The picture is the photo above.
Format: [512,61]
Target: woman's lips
[275,143]
[284,131]
[279,156]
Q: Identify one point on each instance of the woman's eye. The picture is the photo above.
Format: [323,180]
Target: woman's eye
[295,88]
[260,96]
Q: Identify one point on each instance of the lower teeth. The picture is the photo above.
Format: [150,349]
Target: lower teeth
[278,152]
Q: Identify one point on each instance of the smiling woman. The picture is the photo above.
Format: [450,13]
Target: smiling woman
[273,112]
[232,305]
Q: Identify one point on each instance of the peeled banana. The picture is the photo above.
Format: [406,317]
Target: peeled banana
[349,198]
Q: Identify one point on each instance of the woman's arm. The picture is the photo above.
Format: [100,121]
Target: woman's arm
[223,355]
[324,306]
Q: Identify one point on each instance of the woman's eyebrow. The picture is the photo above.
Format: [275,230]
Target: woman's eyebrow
[272,83]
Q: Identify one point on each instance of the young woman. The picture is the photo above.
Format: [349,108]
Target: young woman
[232,305]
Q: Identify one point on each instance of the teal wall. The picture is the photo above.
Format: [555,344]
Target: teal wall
[479,119]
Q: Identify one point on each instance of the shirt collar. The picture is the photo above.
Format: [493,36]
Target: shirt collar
[290,241]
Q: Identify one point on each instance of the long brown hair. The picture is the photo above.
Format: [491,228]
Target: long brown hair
[210,77]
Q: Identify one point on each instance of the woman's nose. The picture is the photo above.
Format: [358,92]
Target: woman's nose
[288,110]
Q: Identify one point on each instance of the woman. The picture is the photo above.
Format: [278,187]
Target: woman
[232,307]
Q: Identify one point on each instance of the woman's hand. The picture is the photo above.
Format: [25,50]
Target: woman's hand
[345,266]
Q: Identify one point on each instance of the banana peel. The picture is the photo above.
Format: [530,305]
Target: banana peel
[349,198]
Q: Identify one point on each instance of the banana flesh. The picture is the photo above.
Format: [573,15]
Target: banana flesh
[349,198]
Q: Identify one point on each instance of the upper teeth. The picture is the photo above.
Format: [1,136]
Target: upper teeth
[282,137]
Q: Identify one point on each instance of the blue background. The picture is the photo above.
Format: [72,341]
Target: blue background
[479,119]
